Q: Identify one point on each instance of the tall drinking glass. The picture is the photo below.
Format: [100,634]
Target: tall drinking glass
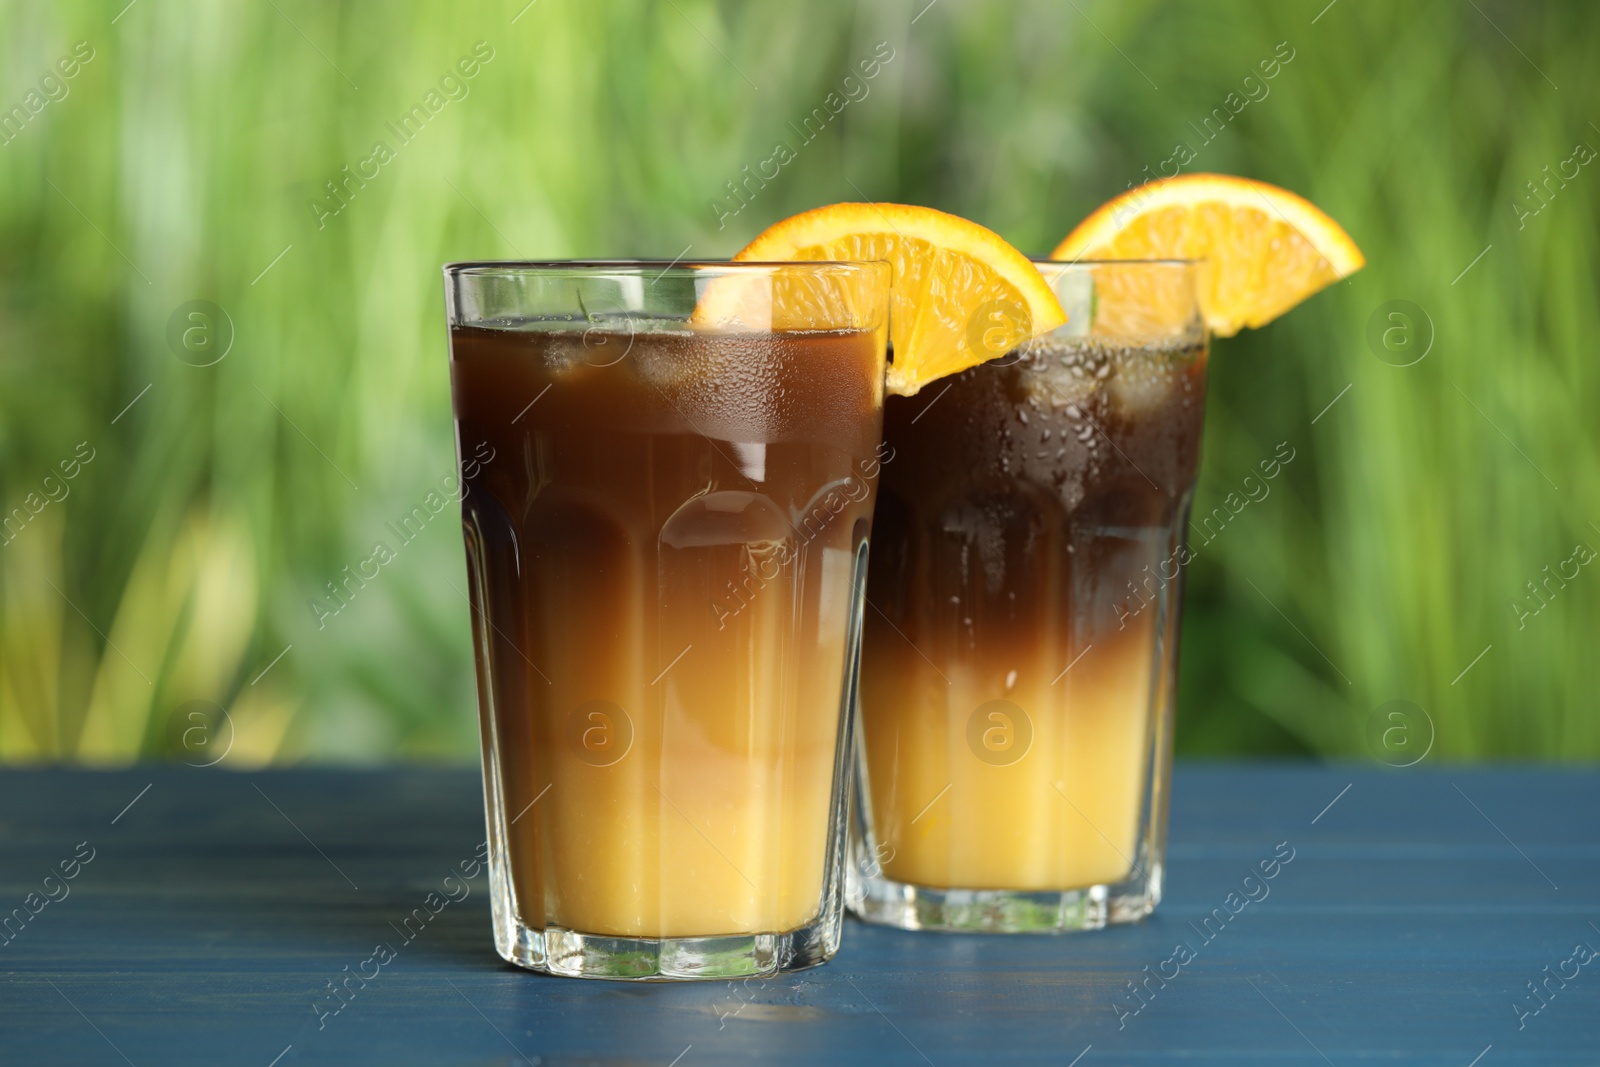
[670,472]
[1021,647]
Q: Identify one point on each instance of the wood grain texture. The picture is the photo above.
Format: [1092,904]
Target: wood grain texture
[205,927]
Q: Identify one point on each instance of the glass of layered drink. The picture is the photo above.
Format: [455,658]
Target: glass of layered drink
[670,474]
[1021,639]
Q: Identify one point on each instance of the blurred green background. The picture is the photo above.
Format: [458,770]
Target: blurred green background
[184,158]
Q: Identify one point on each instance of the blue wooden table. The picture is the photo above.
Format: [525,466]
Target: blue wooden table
[207,915]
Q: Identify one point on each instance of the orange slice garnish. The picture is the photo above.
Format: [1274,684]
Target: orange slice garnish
[961,295]
[1265,249]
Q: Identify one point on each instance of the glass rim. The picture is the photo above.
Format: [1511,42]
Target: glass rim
[602,267]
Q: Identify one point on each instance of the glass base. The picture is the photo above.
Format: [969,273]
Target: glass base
[571,954]
[876,899]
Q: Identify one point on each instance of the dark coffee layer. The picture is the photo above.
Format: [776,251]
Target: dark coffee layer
[1012,485]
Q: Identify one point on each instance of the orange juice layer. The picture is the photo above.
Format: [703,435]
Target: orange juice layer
[714,818]
[1037,785]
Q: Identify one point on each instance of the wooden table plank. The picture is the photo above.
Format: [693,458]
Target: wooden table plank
[217,906]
